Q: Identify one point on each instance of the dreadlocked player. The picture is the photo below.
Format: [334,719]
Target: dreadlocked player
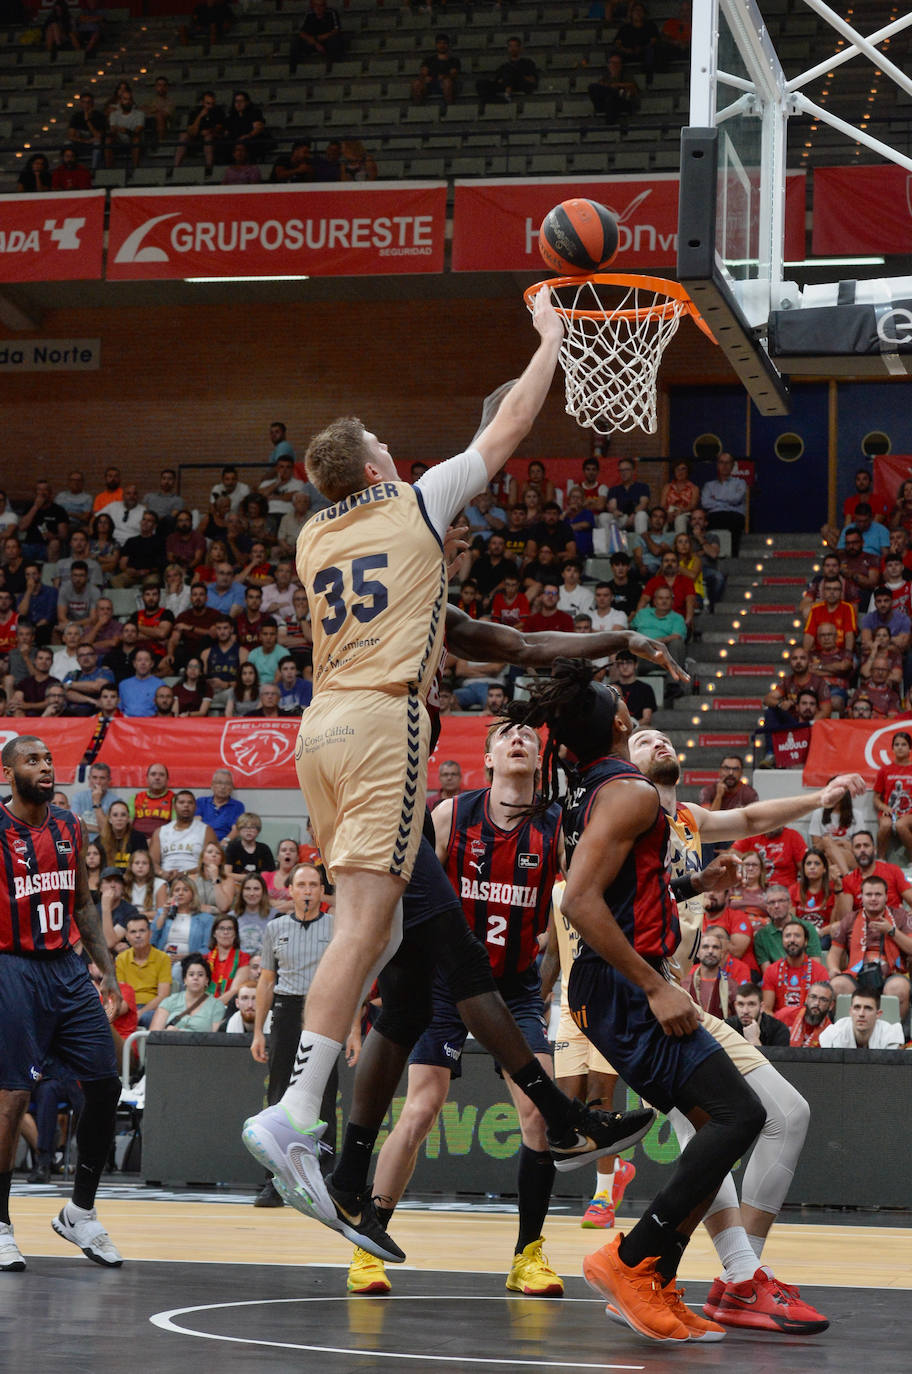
[619,898]
[747,1294]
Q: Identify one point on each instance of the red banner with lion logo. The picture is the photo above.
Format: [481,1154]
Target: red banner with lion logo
[259,753]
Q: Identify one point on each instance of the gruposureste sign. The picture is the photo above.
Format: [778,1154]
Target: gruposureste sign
[255,231]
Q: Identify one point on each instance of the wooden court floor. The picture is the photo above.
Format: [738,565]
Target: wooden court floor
[223,1286]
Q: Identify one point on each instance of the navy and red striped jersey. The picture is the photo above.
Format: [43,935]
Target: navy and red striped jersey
[640,897]
[504,878]
[38,882]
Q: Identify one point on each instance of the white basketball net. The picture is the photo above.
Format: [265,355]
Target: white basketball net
[611,362]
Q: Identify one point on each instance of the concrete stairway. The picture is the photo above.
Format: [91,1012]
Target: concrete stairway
[743,646]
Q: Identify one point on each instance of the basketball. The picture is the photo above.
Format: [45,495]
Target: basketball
[578,236]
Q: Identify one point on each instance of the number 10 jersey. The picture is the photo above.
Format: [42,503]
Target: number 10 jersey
[38,884]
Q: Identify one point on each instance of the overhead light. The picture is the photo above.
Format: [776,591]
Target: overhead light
[210,280]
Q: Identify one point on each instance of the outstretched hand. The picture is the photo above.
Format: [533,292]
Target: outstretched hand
[853,783]
[655,652]
[545,318]
[721,873]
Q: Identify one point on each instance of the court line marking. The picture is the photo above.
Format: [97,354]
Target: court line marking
[165,1321]
[415,1268]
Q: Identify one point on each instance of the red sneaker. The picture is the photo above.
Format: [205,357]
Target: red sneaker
[713,1298]
[766,1305]
[624,1174]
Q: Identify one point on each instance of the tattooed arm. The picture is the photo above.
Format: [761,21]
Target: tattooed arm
[88,923]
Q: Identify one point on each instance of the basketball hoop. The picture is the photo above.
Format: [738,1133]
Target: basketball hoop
[617,329]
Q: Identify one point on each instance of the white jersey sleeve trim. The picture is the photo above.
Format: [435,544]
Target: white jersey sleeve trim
[449,486]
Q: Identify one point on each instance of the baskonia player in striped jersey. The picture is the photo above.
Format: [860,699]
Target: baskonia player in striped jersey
[48,1003]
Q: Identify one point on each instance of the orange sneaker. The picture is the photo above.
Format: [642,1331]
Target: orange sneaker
[636,1294]
[698,1328]
[624,1174]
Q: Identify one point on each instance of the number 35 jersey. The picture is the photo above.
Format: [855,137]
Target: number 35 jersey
[38,884]
[504,879]
[372,566]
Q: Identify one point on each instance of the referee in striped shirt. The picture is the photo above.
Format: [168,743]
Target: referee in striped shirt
[293,946]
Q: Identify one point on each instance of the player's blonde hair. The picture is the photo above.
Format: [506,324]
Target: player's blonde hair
[335,458]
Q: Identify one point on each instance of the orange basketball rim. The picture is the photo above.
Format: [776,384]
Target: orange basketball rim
[618,326]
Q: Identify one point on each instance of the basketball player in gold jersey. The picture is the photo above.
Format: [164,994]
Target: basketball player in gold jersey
[747,1294]
[373,567]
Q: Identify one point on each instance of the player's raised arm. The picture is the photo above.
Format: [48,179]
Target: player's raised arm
[758,817]
[524,398]
[482,640]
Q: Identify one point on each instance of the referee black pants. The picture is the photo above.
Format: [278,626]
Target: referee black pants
[284,1035]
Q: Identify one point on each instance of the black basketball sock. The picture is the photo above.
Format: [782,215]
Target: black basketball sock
[94,1137]
[535,1180]
[6,1179]
[557,1109]
[350,1173]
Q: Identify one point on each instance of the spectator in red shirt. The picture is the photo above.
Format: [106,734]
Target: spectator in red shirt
[547,616]
[786,982]
[184,544]
[69,174]
[684,597]
[811,894]
[834,664]
[864,494]
[830,567]
[893,796]
[747,911]
[898,888]
[510,606]
[730,789]
[805,1023]
[877,934]
[832,610]
[784,695]
[781,851]
[860,571]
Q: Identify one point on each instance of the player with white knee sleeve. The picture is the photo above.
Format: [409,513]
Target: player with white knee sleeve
[746,1293]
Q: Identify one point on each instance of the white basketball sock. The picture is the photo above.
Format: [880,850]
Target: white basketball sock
[757,1243]
[313,1064]
[733,1246]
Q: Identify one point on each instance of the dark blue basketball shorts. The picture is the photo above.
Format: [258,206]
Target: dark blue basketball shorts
[442,1043]
[51,1007]
[615,1015]
[430,891]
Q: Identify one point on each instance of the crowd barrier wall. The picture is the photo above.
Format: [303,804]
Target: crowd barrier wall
[199,1089]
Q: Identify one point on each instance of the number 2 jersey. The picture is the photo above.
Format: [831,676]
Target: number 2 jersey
[38,885]
[504,879]
[373,569]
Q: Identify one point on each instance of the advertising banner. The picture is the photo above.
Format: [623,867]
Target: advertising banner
[850,746]
[67,738]
[54,237]
[259,752]
[862,210]
[255,231]
[496,223]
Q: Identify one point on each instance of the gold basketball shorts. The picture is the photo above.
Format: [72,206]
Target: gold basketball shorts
[743,1055]
[574,1053]
[361,759]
